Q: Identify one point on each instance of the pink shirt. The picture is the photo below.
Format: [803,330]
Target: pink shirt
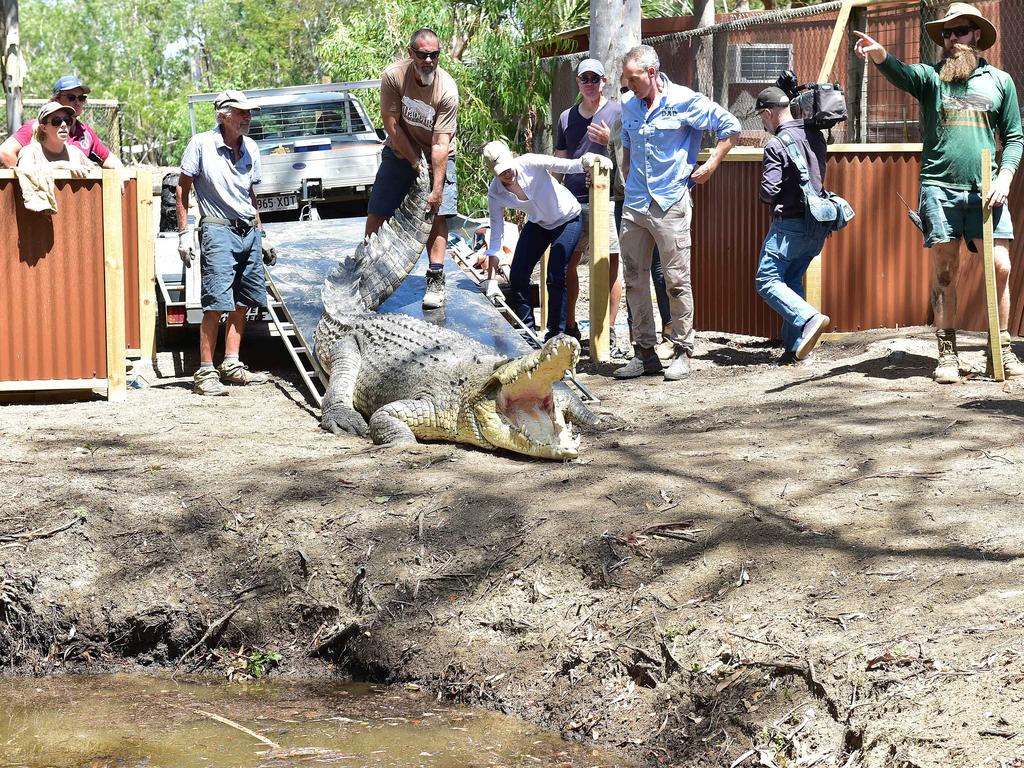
[82,136]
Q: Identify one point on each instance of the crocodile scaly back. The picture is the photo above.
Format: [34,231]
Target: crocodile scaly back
[364,280]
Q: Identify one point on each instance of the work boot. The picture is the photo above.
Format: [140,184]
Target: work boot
[639,366]
[206,381]
[433,296]
[810,333]
[680,366]
[1013,368]
[948,369]
[236,372]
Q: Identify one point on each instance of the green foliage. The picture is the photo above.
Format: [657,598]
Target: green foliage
[503,90]
[258,662]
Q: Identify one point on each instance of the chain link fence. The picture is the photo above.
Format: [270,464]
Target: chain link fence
[742,54]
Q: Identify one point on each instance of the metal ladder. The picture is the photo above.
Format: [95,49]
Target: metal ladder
[298,349]
[460,252]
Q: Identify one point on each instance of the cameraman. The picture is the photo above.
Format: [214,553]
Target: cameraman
[795,237]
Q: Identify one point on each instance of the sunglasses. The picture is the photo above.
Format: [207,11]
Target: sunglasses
[427,54]
[59,120]
[589,79]
[963,31]
[623,89]
[73,97]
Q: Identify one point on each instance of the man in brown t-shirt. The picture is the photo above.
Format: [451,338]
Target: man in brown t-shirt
[418,103]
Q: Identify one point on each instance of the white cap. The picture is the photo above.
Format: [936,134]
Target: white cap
[497,157]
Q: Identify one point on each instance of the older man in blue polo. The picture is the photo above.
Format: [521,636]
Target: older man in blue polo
[222,165]
[661,135]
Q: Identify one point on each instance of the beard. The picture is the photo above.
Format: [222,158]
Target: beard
[958,63]
[426,77]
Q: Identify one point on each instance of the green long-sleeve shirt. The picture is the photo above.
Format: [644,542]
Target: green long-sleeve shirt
[958,120]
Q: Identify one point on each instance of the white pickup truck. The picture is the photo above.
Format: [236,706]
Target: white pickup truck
[317,145]
[316,142]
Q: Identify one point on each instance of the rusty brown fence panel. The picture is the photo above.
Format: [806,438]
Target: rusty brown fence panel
[874,274]
[75,286]
[52,307]
[729,223]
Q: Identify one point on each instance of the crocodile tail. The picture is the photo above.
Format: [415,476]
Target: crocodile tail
[380,263]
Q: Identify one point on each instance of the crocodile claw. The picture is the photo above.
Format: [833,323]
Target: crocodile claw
[341,420]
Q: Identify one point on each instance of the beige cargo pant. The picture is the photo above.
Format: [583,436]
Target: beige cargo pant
[670,231]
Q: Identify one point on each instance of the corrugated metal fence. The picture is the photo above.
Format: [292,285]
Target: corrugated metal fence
[76,289]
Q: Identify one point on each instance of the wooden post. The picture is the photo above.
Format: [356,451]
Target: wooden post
[836,42]
[991,296]
[113,283]
[856,84]
[543,290]
[147,263]
[600,183]
[812,277]
[12,63]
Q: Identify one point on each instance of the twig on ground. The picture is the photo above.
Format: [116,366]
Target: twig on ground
[214,626]
[26,536]
[238,727]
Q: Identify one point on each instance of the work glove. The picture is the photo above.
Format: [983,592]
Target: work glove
[491,289]
[186,249]
[269,250]
[592,159]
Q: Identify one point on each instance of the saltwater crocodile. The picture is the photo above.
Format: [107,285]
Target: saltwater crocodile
[400,379]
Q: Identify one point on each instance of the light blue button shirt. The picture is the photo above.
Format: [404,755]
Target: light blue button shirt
[221,184]
[663,142]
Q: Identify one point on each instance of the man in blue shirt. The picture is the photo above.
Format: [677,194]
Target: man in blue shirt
[661,134]
[222,166]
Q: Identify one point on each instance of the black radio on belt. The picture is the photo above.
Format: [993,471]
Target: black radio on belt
[821,105]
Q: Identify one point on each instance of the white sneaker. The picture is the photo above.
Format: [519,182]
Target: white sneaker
[812,330]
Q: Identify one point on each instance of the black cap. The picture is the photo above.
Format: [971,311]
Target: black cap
[771,97]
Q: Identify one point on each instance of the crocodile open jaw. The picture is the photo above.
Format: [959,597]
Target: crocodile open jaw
[519,411]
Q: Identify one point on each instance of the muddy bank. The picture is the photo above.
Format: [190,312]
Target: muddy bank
[817,564]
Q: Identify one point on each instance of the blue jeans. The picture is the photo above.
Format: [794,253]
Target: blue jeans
[532,242]
[787,252]
[949,214]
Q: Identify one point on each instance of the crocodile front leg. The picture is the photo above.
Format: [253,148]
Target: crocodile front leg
[337,412]
[393,423]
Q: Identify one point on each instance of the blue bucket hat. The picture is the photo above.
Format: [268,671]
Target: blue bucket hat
[69,83]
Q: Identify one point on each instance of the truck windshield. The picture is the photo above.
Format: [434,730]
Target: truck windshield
[311,119]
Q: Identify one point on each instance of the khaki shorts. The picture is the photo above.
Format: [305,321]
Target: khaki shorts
[583,246]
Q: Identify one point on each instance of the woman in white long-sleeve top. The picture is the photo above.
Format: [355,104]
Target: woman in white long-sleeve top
[525,183]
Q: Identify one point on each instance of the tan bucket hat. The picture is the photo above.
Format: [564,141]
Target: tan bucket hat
[968,13]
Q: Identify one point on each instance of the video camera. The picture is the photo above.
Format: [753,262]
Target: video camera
[821,105]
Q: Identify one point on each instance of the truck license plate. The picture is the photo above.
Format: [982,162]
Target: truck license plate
[277,202]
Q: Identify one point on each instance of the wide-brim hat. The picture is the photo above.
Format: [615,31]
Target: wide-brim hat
[52,107]
[235,99]
[498,157]
[963,12]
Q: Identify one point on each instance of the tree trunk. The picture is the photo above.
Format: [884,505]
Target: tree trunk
[12,65]
[614,29]
[704,55]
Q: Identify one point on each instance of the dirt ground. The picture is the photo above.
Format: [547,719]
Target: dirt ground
[815,565]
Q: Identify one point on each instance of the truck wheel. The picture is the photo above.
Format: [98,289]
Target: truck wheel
[168,203]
